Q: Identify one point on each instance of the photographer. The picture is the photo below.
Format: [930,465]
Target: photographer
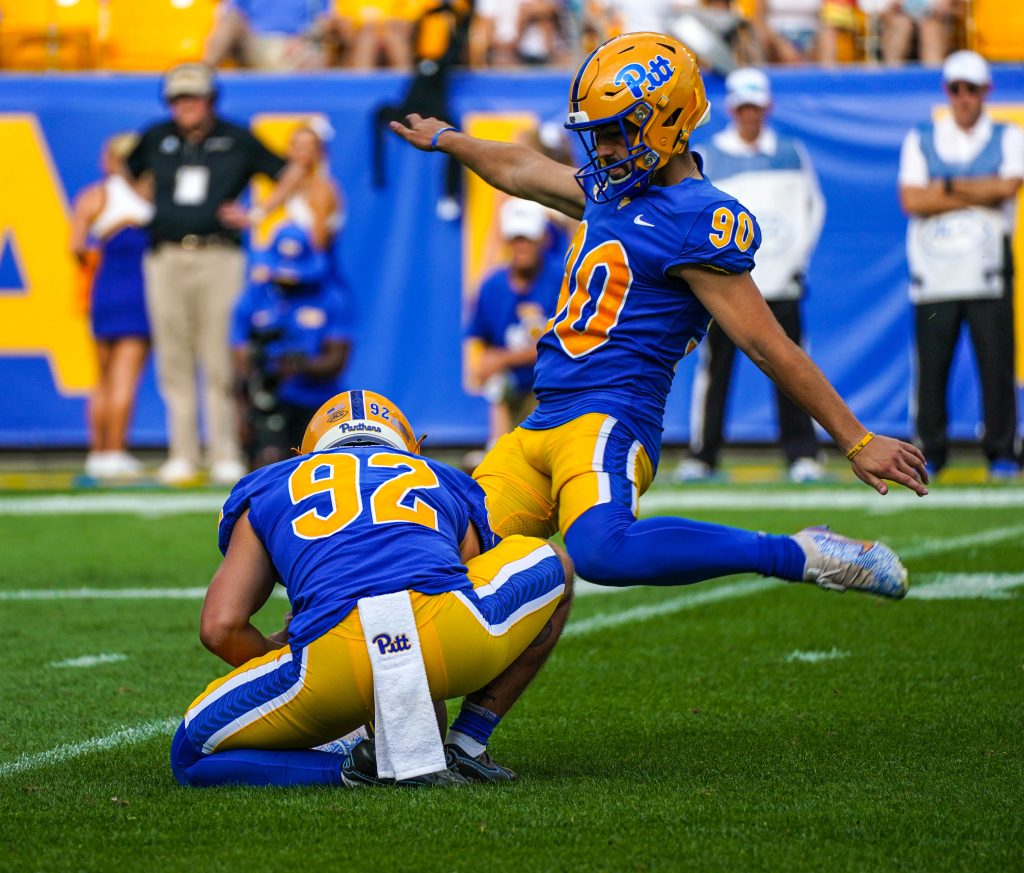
[290,342]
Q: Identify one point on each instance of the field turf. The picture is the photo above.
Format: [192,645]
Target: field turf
[742,724]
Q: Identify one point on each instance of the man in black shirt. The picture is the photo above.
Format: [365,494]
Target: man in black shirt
[199,164]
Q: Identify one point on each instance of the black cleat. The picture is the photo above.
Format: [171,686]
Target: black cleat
[482,768]
[360,769]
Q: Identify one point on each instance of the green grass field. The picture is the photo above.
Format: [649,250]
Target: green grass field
[742,724]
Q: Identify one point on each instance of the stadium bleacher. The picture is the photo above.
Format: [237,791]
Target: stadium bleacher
[145,35]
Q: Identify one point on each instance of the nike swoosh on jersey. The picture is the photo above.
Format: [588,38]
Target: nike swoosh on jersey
[640,220]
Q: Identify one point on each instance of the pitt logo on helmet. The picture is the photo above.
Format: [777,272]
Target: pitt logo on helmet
[645,88]
[658,72]
[359,418]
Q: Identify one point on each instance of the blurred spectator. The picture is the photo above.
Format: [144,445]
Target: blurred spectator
[290,342]
[788,30]
[381,31]
[199,163]
[114,213]
[714,30]
[959,177]
[509,32]
[271,34]
[719,34]
[630,16]
[905,23]
[317,205]
[511,311]
[771,174]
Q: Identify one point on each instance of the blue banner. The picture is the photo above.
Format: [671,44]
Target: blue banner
[406,264]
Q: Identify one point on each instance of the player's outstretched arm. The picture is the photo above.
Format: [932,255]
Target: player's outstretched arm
[238,590]
[740,310]
[512,168]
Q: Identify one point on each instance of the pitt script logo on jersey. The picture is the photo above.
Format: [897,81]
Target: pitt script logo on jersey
[633,76]
[388,646]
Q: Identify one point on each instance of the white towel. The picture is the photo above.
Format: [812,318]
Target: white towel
[408,742]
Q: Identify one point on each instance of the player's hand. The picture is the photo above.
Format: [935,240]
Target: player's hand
[895,460]
[418,131]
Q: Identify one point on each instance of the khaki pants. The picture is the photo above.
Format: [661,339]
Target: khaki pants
[190,295]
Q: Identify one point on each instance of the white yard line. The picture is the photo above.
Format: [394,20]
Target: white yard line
[962,586]
[692,597]
[152,504]
[148,504]
[583,588]
[114,594]
[939,586]
[864,499]
[966,541]
[90,660]
[124,737]
[815,657]
[148,730]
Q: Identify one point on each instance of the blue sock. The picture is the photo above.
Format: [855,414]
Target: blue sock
[252,766]
[475,722]
[610,547]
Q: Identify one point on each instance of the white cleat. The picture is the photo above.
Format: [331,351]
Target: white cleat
[177,471]
[227,472]
[840,563]
[122,465]
[692,470]
[804,470]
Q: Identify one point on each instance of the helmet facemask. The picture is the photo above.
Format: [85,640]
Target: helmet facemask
[641,160]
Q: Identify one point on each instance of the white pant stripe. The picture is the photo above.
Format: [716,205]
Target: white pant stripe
[517,566]
[496,630]
[634,450]
[237,681]
[259,712]
[604,486]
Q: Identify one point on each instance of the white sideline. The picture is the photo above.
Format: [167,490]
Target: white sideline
[154,504]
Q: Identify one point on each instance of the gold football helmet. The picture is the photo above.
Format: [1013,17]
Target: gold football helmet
[650,86]
[359,418]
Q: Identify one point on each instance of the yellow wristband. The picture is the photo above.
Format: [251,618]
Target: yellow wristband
[868,437]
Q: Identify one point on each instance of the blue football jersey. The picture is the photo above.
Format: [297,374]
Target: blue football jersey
[354,522]
[622,324]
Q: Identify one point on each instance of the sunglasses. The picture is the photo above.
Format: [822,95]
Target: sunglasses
[964,88]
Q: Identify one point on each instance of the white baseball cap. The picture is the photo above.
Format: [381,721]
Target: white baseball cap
[523,218]
[966,66]
[747,86]
[189,80]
